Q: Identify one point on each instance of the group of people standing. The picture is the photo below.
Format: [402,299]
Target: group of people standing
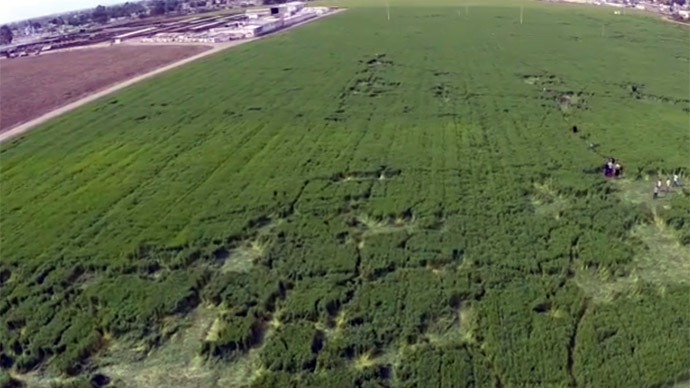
[612,169]
[665,186]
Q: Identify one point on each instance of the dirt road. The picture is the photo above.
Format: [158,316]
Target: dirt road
[21,128]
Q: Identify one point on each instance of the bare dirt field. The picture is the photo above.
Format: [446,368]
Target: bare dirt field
[32,86]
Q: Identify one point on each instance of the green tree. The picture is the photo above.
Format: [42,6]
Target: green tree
[6,35]
[133,8]
[100,15]
[158,8]
[117,11]
[77,20]
[171,5]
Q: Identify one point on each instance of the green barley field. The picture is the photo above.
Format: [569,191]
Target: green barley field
[399,195]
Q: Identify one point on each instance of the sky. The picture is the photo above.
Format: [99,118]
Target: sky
[14,10]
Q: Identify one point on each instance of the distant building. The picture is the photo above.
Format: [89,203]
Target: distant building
[255,23]
[256,13]
[287,8]
[118,39]
[244,32]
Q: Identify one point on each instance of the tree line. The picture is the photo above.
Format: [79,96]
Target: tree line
[102,14]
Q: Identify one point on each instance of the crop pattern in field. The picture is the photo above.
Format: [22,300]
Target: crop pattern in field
[378,201]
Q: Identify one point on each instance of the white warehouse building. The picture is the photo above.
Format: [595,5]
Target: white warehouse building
[255,23]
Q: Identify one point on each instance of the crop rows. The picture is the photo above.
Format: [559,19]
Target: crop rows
[363,202]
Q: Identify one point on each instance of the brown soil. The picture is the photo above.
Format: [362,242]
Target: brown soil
[32,86]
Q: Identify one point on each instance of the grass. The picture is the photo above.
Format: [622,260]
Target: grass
[660,260]
[455,329]
[175,363]
[359,185]
[547,201]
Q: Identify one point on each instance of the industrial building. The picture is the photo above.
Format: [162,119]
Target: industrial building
[290,8]
[252,24]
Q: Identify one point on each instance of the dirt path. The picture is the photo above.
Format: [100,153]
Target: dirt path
[19,129]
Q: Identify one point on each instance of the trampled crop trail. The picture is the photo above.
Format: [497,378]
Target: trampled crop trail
[573,336]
